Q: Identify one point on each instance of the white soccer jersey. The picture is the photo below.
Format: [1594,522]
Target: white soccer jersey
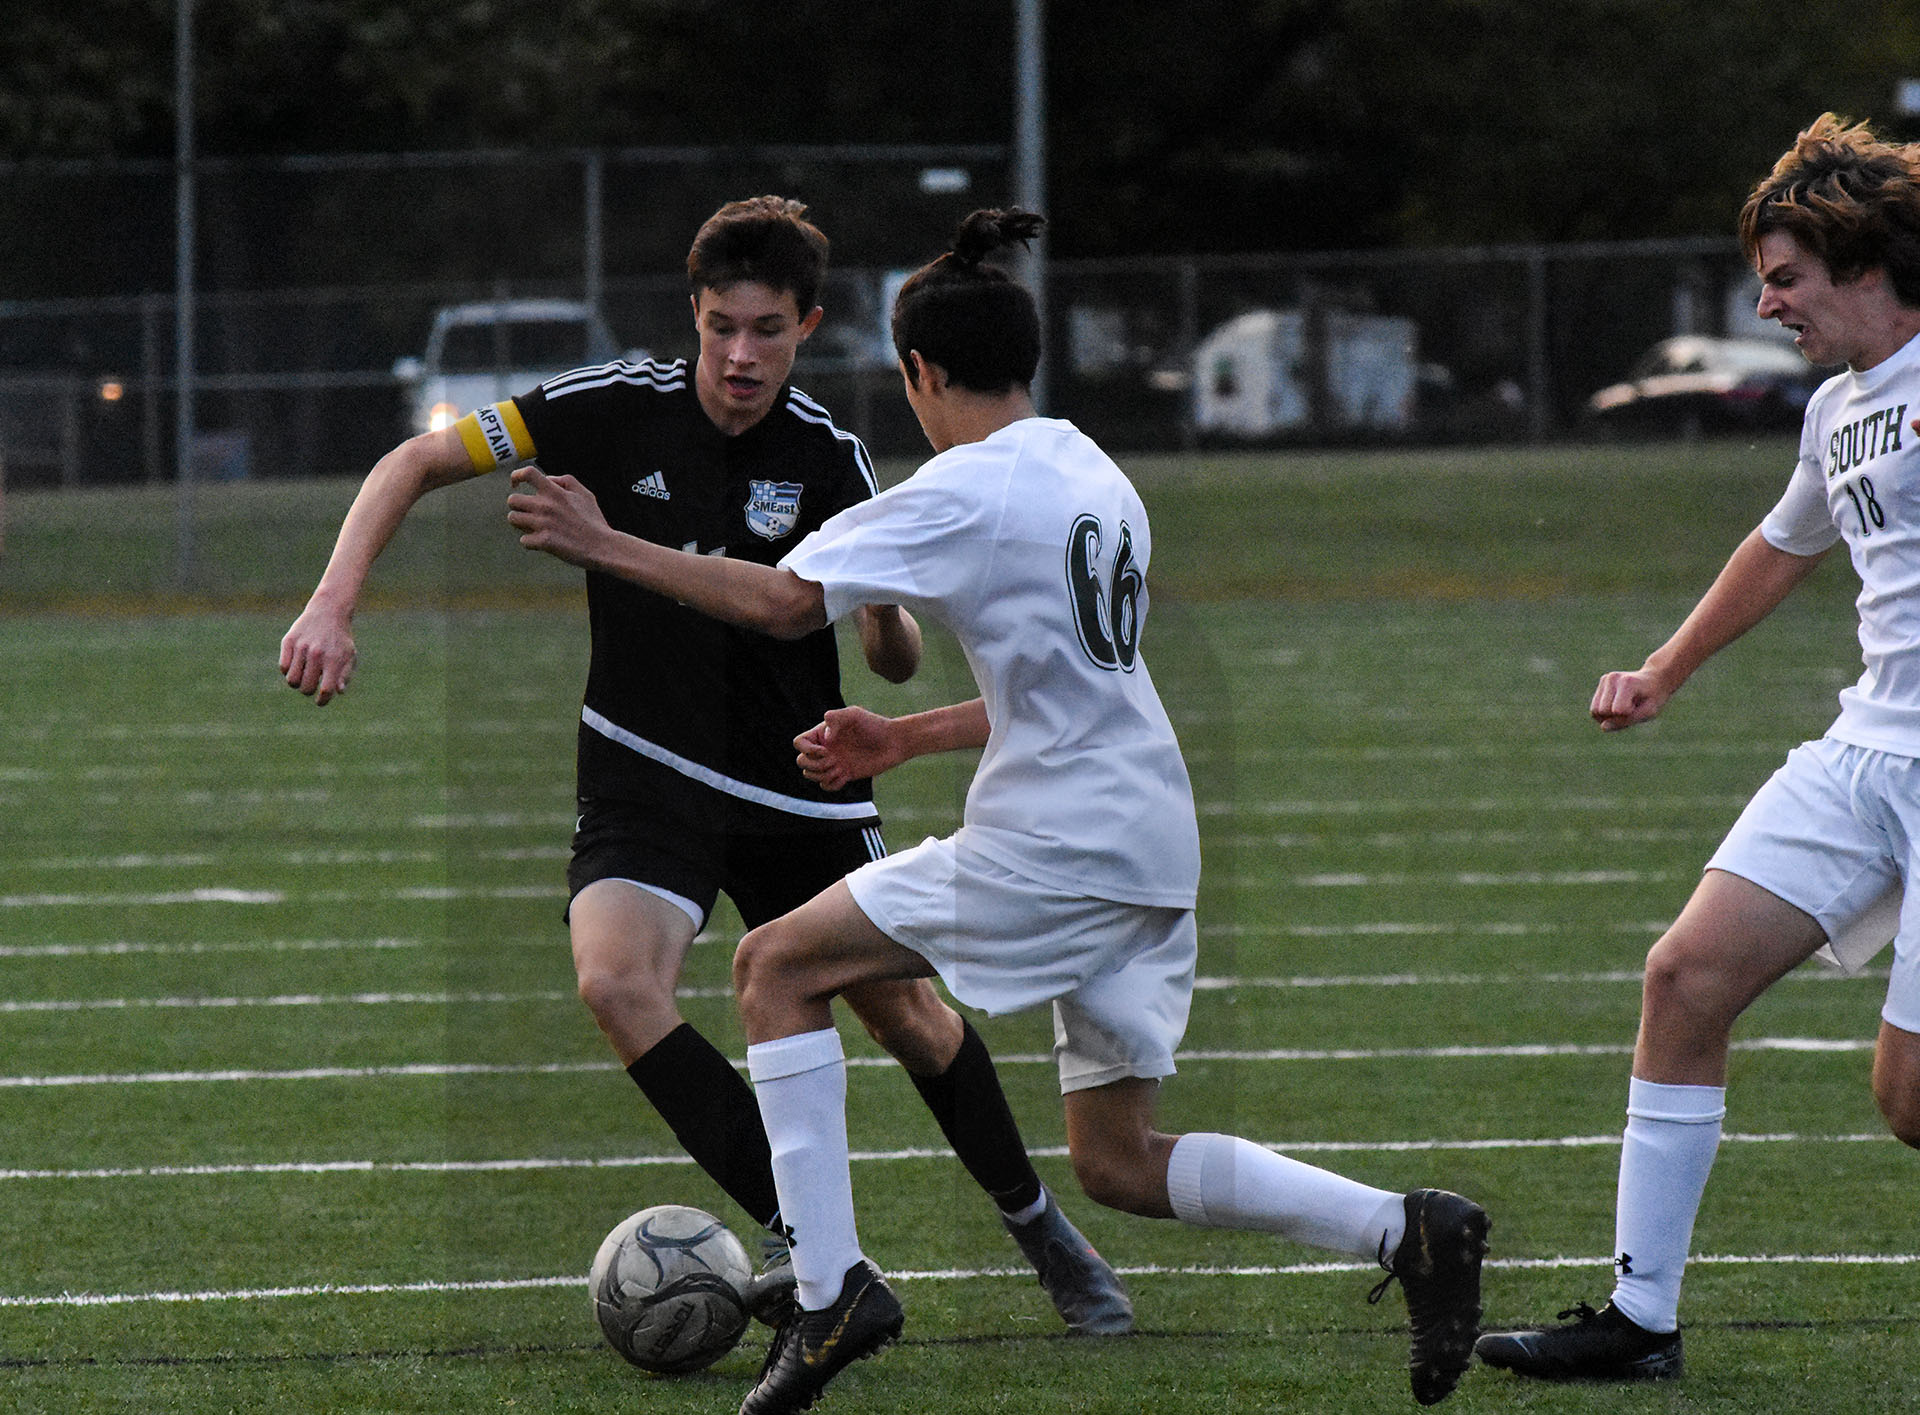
[1032,548]
[1858,479]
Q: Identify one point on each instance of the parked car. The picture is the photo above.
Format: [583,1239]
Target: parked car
[1696,383]
[481,353]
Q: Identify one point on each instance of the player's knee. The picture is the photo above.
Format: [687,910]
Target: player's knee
[613,995]
[760,964]
[1680,988]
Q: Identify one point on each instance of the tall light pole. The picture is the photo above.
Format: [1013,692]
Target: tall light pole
[183,305]
[1030,155]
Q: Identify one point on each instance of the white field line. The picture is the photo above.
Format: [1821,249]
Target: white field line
[117,948]
[1226,930]
[432,894]
[293,859]
[669,1161]
[1617,807]
[1382,928]
[19,1006]
[555,851]
[442,1070]
[576,1281]
[1457,879]
[356,999]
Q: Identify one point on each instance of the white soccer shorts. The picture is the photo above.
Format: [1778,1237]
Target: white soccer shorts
[1833,833]
[1119,976]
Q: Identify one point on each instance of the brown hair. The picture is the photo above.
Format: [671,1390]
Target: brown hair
[766,239]
[1847,197]
[973,319]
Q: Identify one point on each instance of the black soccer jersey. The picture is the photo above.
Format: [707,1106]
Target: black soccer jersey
[691,715]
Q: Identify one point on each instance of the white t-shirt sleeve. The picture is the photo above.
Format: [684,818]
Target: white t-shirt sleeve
[920,544]
[1801,522]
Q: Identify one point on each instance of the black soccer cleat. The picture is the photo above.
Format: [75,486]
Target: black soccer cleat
[1085,1290]
[811,1348]
[1438,1264]
[1606,1345]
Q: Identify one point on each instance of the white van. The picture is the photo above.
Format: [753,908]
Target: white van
[1250,375]
[487,351]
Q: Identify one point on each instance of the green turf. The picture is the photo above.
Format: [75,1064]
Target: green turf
[1379,665]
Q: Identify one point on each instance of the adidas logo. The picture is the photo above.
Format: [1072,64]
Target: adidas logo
[654,486]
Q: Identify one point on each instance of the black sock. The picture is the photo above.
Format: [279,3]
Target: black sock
[711,1110]
[972,1110]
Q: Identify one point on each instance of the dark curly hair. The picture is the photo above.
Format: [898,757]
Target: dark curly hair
[1848,198]
[971,318]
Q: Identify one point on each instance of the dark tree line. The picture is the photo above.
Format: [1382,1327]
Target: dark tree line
[1210,125]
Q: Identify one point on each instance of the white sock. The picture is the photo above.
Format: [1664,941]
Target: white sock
[1222,1181]
[801,1084]
[1672,1135]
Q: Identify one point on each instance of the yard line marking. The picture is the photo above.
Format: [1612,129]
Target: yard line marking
[362,999]
[1402,839]
[1818,974]
[567,1162]
[186,896]
[1524,1051]
[493,820]
[432,894]
[1636,809]
[1464,879]
[1385,928]
[295,859]
[1201,984]
[579,1281]
[270,945]
[1501,752]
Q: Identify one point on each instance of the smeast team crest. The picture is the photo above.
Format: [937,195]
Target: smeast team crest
[773,508]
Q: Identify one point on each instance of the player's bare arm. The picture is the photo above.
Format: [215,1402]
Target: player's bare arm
[854,743]
[561,517]
[317,654]
[1754,581]
[890,640]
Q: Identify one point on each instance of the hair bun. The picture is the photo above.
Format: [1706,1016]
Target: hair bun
[988,230]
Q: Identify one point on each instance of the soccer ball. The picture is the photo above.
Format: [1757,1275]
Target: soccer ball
[668,1286]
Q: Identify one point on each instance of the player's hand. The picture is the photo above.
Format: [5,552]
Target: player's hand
[852,744]
[317,655]
[1625,699]
[557,515]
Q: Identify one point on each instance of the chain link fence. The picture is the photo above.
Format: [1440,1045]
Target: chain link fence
[322,275]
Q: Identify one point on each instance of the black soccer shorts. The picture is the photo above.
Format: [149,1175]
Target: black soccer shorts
[765,875]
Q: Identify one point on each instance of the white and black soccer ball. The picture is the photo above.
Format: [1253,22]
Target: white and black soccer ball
[668,1288]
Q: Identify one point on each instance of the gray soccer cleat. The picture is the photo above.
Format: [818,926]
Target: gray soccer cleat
[1086,1292]
[769,1295]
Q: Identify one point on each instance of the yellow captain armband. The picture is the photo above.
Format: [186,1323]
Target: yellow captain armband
[495,436]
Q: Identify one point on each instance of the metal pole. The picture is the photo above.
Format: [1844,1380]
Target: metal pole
[153,378]
[1539,366]
[1030,158]
[593,278]
[183,308]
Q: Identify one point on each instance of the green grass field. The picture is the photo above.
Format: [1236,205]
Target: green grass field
[298,1111]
